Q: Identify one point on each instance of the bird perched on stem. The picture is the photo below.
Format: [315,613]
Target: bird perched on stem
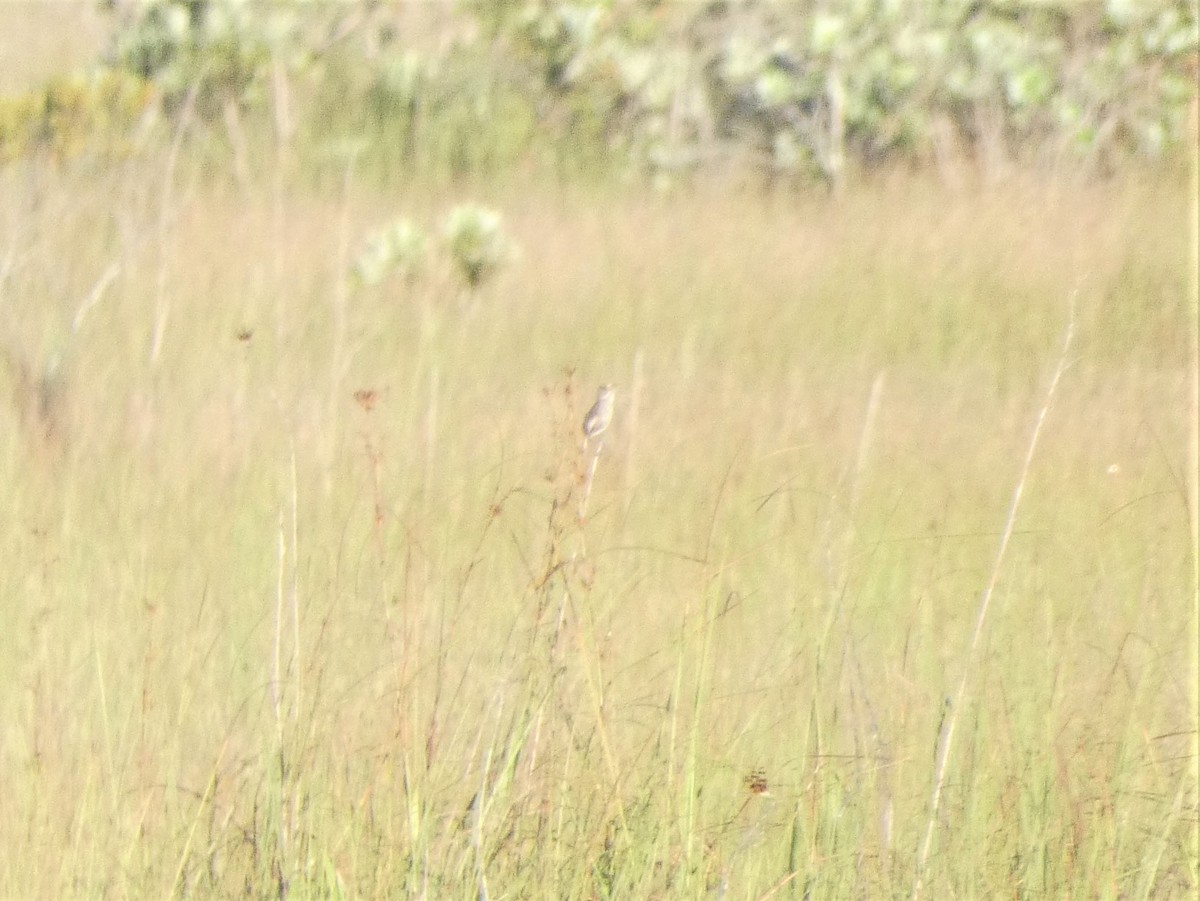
[601,413]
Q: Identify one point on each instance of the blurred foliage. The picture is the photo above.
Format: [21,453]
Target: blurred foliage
[221,49]
[475,239]
[474,245]
[795,89]
[399,249]
[101,110]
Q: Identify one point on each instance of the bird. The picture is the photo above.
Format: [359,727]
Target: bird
[601,413]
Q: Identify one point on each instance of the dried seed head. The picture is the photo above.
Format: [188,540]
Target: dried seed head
[366,398]
[756,782]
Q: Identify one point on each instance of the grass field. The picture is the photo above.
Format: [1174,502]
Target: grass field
[299,597]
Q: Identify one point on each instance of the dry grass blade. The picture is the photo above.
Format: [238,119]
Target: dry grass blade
[946,739]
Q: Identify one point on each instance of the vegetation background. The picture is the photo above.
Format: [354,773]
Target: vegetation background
[877,586]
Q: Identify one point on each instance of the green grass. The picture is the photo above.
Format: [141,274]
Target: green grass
[261,635]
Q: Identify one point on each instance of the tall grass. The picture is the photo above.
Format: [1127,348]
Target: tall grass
[301,602]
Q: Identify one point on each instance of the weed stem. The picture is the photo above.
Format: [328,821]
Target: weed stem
[946,737]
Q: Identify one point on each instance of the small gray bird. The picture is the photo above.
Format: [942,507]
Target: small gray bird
[601,413]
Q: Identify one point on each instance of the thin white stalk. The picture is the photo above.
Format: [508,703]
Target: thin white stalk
[295,588]
[1194,489]
[341,295]
[860,467]
[587,483]
[286,596]
[276,677]
[162,305]
[631,424]
[958,699]
[96,294]
[477,828]
[431,420]
[281,836]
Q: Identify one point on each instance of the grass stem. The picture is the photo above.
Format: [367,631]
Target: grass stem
[958,699]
